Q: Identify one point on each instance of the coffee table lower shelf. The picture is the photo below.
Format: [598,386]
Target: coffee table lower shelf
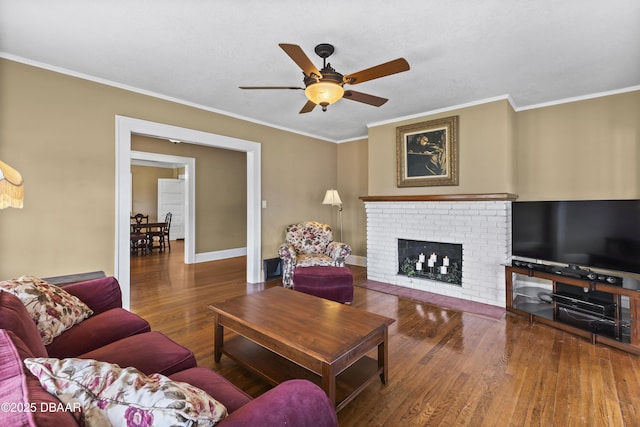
[276,369]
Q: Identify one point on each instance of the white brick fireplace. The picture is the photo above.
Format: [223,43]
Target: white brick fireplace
[480,223]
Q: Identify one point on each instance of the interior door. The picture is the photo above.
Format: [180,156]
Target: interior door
[171,195]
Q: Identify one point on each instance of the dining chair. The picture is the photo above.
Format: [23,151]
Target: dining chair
[139,236]
[167,226]
[162,234]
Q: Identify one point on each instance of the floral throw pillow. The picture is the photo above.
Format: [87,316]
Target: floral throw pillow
[110,395]
[52,309]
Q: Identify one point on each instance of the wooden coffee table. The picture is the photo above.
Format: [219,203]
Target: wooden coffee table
[282,334]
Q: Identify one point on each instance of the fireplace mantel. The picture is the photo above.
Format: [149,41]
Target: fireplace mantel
[443,198]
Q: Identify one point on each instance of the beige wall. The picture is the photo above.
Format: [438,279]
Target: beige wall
[485,154]
[59,132]
[144,189]
[580,150]
[352,183]
[221,191]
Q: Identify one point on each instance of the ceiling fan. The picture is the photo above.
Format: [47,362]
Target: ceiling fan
[324,87]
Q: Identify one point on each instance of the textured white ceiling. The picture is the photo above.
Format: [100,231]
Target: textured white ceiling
[460,51]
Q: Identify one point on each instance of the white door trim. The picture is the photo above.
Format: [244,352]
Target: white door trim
[125,127]
[190,196]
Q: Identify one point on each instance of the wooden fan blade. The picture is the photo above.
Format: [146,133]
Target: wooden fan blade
[365,98]
[296,53]
[308,107]
[271,87]
[392,67]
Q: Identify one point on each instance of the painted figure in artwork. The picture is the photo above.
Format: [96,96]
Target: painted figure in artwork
[426,154]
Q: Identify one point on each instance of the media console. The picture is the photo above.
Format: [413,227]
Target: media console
[603,308]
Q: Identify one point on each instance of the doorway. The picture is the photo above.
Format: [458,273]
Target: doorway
[189,164]
[125,127]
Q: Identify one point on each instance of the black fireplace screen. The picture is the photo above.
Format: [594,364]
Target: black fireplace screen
[430,260]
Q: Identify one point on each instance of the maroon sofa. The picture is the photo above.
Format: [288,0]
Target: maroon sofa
[118,336]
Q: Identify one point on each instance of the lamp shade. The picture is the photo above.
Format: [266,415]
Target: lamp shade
[324,93]
[11,189]
[332,198]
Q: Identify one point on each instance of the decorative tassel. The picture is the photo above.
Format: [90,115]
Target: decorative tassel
[11,187]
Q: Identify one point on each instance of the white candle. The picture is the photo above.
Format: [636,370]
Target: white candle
[421,258]
[445,261]
[443,270]
[419,266]
[430,263]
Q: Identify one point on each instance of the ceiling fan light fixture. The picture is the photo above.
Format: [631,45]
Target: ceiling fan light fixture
[325,87]
[324,93]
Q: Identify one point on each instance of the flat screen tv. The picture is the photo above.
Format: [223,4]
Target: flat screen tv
[601,234]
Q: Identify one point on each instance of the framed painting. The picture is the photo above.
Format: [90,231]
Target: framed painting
[427,153]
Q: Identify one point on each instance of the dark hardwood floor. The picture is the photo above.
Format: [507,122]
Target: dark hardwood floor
[447,368]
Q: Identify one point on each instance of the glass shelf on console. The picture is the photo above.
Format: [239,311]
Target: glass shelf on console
[533,295]
[616,326]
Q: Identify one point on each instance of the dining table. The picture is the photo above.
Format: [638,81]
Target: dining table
[148,229]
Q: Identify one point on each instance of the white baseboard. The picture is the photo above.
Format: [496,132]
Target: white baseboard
[360,261]
[223,254]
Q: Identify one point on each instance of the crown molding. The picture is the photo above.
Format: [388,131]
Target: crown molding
[580,98]
[507,97]
[443,110]
[117,85]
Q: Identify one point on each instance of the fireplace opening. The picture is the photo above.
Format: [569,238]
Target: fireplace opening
[430,260]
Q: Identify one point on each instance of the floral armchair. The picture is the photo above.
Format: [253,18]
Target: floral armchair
[308,244]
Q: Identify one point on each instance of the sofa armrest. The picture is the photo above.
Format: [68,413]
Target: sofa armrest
[99,294]
[297,403]
[338,252]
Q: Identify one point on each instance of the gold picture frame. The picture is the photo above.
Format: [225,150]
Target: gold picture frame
[427,153]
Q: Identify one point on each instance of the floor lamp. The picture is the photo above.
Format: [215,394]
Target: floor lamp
[332,198]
